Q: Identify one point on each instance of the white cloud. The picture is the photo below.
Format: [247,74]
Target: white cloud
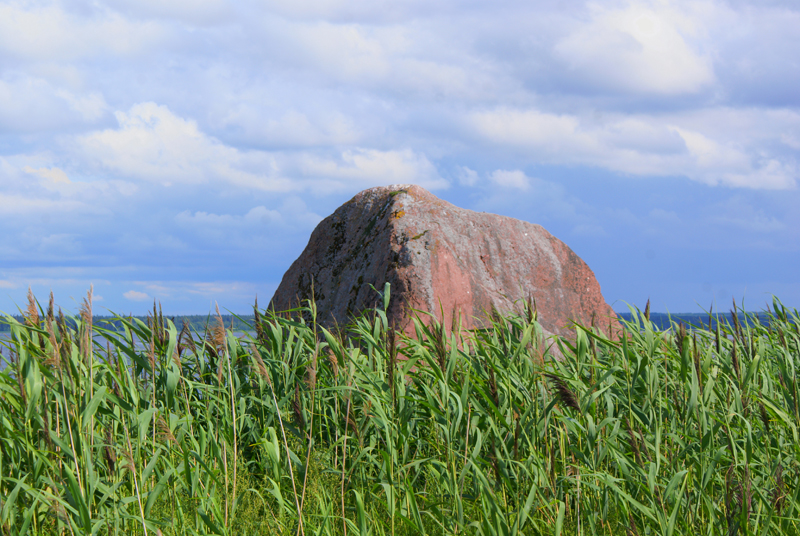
[293,128]
[153,144]
[510,179]
[255,215]
[739,213]
[31,103]
[548,133]
[135,295]
[52,175]
[91,106]
[466,176]
[293,212]
[712,146]
[349,10]
[20,205]
[200,12]
[177,289]
[50,33]
[643,47]
[375,167]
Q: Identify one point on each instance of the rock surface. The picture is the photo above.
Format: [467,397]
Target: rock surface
[438,257]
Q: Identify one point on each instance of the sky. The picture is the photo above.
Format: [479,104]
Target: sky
[184,150]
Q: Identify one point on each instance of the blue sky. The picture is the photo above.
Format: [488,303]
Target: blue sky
[184,150]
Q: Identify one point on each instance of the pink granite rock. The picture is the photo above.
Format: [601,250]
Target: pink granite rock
[437,256]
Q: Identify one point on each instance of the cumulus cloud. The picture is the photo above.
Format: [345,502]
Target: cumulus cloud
[643,47]
[200,12]
[31,103]
[135,295]
[153,144]
[374,167]
[292,212]
[654,145]
[53,176]
[466,176]
[510,179]
[51,32]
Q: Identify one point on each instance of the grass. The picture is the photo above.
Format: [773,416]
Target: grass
[297,430]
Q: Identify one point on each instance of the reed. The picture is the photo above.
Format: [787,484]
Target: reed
[301,430]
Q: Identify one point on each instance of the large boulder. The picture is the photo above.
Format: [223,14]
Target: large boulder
[438,257]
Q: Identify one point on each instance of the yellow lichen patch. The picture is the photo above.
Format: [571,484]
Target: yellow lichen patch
[420,235]
[397,214]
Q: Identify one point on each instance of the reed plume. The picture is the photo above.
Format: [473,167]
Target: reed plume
[564,393]
[164,432]
[735,361]
[764,418]
[32,312]
[261,369]
[257,321]
[297,407]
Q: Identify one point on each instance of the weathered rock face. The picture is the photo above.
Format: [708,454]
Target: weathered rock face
[438,256]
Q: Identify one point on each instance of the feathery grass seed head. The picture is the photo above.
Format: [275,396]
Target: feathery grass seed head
[564,393]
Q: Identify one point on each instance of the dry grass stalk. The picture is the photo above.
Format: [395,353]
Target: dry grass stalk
[333,361]
[87,318]
[261,369]
[216,337]
[311,377]
[50,308]
[183,336]
[164,432]
[646,310]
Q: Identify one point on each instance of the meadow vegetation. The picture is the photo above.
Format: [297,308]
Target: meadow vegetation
[154,429]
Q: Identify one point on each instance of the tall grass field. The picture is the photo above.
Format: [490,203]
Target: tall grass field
[159,430]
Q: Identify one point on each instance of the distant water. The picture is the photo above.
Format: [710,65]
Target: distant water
[665,321]
[5,337]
